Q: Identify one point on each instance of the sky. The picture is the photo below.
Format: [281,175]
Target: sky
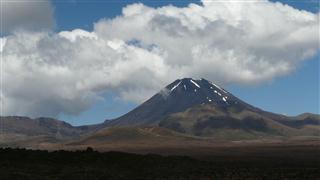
[88,61]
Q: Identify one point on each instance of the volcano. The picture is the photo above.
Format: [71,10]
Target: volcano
[199,107]
[179,96]
[176,97]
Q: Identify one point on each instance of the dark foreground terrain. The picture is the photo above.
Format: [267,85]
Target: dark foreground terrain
[277,163]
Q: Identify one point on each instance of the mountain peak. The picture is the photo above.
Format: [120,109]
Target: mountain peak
[201,90]
[193,82]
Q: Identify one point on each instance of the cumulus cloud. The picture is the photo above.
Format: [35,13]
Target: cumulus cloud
[137,53]
[26,14]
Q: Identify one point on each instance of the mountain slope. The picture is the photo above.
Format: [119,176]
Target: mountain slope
[25,132]
[226,123]
[176,97]
[38,126]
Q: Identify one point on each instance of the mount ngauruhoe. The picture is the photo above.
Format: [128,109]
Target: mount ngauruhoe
[177,97]
[185,111]
[202,108]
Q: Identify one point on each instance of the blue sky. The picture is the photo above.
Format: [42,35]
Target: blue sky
[260,57]
[82,14]
[292,94]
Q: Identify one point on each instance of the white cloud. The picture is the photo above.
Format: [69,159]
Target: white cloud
[145,48]
[26,15]
[78,33]
[2,43]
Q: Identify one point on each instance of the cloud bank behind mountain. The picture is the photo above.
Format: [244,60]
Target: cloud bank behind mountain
[138,52]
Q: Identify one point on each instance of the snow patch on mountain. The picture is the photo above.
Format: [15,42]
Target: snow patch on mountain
[224,99]
[219,87]
[175,86]
[195,83]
